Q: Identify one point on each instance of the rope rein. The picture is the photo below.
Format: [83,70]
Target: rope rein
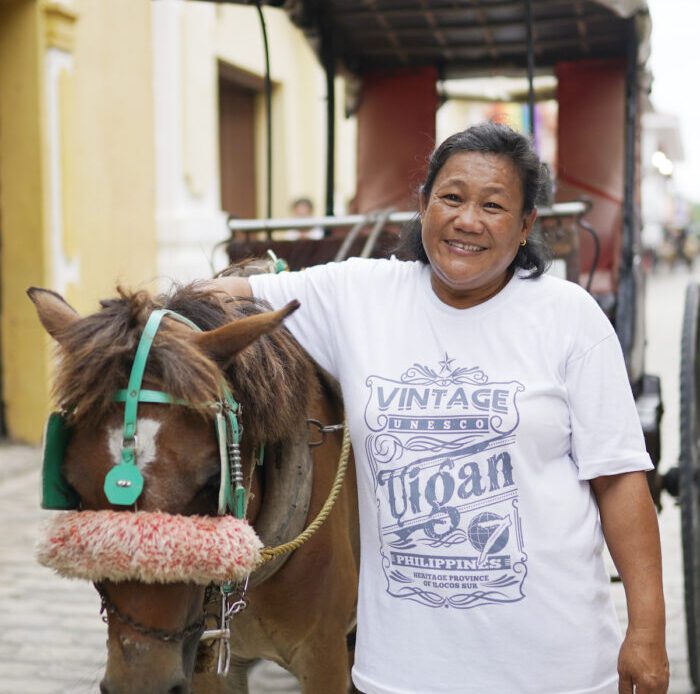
[269,553]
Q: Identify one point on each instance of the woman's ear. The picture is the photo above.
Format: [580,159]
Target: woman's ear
[529,222]
[421,205]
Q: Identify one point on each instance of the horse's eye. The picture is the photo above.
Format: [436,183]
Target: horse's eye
[213,483]
[206,498]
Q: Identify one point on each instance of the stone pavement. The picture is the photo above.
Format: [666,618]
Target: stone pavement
[52,639]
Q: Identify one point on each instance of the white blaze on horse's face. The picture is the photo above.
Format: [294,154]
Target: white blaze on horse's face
[146,432]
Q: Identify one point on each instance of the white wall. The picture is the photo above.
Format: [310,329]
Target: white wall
[188,41]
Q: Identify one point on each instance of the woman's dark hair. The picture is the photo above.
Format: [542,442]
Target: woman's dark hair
[488,138]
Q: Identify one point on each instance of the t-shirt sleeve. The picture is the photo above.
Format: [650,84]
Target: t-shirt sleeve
[606,435]
[313,324]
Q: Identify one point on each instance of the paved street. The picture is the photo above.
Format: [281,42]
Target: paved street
[52,639]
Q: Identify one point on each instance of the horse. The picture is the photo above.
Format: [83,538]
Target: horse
[301,606]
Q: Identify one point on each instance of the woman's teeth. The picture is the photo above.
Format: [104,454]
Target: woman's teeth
[464,246]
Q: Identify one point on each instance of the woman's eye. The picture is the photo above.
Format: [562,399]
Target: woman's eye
[493,206]
[451,197]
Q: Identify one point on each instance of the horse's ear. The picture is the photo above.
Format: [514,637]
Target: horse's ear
[222,343]
[54,312]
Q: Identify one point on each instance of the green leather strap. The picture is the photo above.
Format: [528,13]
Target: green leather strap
[150,396]
[136,377]
[124,482]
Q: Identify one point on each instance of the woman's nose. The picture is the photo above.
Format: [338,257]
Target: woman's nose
[468,219]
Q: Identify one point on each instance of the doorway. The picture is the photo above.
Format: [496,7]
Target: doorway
[238,97]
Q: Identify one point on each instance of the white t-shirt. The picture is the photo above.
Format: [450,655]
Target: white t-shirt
[475,432]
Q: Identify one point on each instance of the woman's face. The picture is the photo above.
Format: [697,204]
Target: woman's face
[473,223]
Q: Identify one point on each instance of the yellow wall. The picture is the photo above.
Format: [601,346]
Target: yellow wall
[104,123]
[114,158]
[24,346]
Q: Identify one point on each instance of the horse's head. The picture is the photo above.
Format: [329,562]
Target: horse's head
[154,626]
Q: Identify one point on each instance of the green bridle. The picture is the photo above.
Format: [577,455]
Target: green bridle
[124,482]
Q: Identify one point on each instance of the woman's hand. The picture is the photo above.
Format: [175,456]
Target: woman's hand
[234,286]
[642,664]
[631,531]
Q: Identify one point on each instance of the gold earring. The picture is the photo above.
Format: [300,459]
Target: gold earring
[523,242]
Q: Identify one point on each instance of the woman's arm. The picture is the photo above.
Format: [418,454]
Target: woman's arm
[631,530]
[234,286]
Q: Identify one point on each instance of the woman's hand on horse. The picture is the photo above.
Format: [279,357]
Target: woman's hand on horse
[233,286]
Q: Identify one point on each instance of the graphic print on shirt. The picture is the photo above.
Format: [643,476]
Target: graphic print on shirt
[443,470]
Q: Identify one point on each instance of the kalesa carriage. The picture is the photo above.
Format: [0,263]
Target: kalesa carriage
[398,52]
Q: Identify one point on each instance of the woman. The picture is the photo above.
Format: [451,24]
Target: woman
[496,441]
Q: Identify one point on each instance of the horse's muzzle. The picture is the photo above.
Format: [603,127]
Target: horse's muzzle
[150,547]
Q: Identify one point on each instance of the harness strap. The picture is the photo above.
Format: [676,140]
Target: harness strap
[150,396]
[136,377]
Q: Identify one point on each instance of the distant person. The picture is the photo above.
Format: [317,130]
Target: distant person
[301,208]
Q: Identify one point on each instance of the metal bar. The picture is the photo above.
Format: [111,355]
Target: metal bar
[631,107]
[374,234]
[560,209]
[450,12]
[414,33]
[475,48]
[510,98]
[530,67]
[268,111]
[347,241]
[626,314]
[564,209]
[310,222]
[596,250]
[510,65]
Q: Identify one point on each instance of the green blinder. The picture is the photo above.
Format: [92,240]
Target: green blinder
[56,493]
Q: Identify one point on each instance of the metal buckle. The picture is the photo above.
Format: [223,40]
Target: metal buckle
[133,442]
[223,633]
[322,430]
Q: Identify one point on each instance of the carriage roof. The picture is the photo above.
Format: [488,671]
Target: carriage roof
[468,38]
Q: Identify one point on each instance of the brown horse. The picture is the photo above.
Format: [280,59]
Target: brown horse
[301,608]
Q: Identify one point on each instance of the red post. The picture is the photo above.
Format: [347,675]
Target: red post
[396,134]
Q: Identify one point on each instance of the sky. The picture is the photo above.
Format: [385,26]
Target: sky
[675,64]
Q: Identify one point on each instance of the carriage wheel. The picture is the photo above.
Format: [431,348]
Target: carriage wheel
[689,470]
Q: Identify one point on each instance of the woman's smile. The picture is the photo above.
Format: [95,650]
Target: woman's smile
[464,248]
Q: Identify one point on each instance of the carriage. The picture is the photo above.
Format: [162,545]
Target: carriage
[401,53]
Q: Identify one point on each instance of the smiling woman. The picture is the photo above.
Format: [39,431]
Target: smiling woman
[496,442]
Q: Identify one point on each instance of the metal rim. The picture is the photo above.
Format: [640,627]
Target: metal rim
[689,471]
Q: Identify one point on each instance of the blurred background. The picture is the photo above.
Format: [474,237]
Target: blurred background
[135,135]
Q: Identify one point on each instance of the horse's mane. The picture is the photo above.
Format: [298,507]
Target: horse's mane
[272,378]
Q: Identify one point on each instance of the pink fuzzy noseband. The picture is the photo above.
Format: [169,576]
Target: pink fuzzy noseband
[149,547]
